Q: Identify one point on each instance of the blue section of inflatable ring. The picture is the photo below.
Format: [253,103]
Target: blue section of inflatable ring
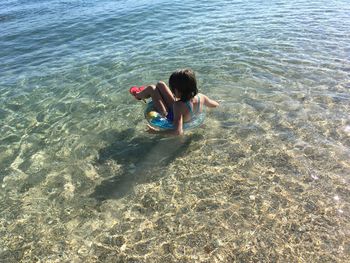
[163,123]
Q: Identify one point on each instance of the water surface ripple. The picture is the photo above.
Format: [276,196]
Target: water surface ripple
[266,179]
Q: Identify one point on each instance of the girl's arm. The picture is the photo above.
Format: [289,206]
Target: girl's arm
[178,121]
[209,102]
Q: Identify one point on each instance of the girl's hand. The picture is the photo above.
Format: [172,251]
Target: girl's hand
[152,130]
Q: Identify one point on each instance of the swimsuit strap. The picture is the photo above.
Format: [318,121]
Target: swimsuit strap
[199,104]
[189,106]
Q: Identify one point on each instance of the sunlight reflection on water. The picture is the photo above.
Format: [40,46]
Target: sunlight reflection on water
[265,179]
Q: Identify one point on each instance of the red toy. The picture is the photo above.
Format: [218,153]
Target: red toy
[134,90]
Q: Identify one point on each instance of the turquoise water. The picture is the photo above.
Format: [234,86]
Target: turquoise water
[265,180]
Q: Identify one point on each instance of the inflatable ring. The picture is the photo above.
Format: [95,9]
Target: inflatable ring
[162,123]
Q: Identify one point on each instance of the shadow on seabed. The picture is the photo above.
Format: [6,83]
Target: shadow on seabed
[140,159]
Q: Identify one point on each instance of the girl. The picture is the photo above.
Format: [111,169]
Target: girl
[179,103]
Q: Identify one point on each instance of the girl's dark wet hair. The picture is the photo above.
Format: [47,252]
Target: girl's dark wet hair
[184,81]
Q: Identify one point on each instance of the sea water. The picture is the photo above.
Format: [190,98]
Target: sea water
[266,179]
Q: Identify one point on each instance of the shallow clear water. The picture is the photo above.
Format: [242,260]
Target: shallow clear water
[266,179]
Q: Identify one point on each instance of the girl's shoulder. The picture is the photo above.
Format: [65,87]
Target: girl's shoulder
[200,96]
